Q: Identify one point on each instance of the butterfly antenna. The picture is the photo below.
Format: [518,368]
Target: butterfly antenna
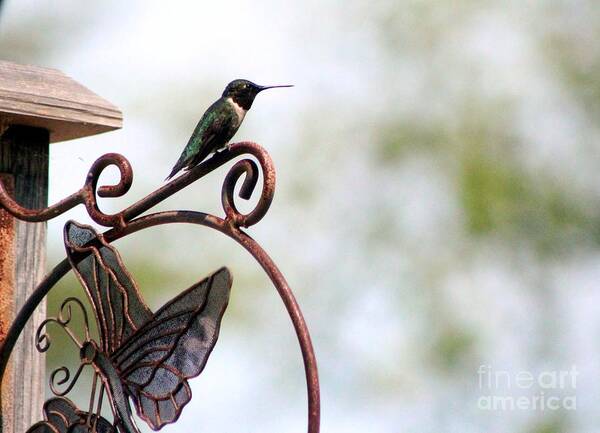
[88,423]
[99,407]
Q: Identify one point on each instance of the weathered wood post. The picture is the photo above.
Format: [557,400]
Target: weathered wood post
[38,106]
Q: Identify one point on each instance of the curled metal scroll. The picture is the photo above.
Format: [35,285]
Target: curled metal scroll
[43,343]
[87,194]
[129,221]
[42,339]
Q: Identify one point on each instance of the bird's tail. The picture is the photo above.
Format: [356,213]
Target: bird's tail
[181,163]
[185,162]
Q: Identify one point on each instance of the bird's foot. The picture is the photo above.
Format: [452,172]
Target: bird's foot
[222,149]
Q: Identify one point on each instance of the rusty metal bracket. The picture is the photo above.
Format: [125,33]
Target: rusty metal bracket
[139,358]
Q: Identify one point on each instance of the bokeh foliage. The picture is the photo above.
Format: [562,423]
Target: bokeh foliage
[437,205]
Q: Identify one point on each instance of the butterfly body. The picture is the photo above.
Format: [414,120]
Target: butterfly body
[109,375]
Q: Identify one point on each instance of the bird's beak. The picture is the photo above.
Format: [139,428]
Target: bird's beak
[261,88]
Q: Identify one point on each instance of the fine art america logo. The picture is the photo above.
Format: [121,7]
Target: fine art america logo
[503,390]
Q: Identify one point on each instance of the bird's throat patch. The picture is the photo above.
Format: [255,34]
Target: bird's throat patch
[239,110]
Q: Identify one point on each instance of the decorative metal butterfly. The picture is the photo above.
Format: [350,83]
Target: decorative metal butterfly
[140,356]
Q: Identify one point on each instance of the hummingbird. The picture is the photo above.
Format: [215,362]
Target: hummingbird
[219,123]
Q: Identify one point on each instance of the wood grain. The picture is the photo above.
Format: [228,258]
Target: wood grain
[47,98]
[24,156]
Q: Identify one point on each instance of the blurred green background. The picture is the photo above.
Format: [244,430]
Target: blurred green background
[437,206]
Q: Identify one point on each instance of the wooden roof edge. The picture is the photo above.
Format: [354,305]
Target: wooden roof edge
[47,98]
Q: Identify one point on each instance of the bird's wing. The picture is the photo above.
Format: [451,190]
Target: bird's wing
[156,361]
[206,136]
[212,134]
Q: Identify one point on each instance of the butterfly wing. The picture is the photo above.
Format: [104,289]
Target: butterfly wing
[156,361]
[119,307]
[61,416]
[155,353]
